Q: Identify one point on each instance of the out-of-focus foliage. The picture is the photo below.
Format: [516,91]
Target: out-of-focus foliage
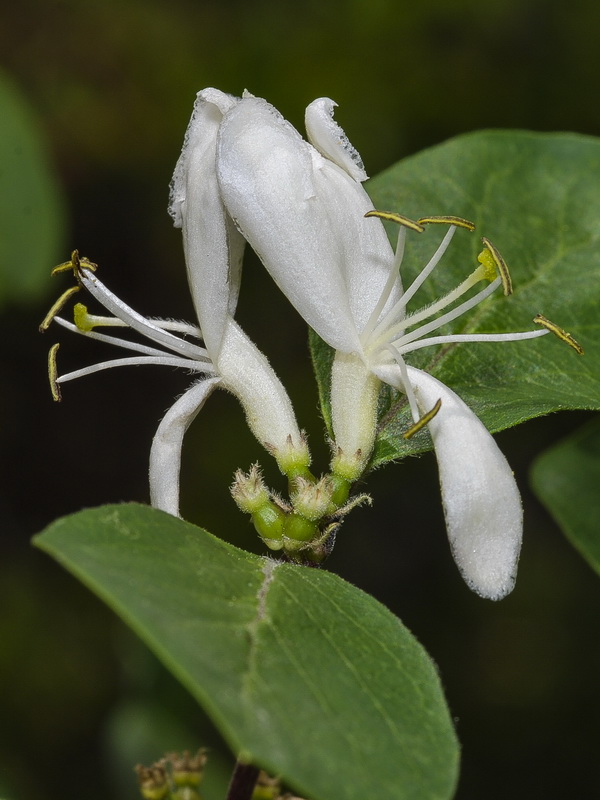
[31,204]
[115,79]
[112,84]
[566,478]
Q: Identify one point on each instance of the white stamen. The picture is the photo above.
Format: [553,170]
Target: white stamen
[406,385]
[472,337]
[448,317]
[428,269]
[165,361]
[114,340]
[387,289]
[134,320]
[396,313]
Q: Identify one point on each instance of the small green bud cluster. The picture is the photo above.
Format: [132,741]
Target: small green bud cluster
[268,788]
[304,527]
[174,777]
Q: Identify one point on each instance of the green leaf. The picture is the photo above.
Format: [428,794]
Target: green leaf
[535,196]
[31,206]
[303,673]
[566,478]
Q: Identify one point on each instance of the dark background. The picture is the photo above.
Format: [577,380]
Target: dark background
[112,84]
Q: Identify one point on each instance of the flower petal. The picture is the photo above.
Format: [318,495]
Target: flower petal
[267,181]
[366,255]
[330,140]
[482,505]
[213,246]
[165,453]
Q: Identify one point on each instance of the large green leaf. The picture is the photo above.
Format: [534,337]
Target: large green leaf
[566,478]
[536,197]
[31,206]
[303,673]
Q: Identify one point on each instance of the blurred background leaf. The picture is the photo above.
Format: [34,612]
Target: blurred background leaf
[31,203]
[111,85]
[566,478]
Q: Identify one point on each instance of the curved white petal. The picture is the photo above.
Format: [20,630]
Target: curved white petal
[267,181]
[366,256]
[247,374]
[330,140]
[165,453]
[482,505]
[213,246]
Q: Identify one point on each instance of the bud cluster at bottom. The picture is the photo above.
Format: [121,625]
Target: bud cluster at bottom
[304,528]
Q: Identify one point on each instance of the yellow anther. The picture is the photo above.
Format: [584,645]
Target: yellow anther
[558,331]
[53,373]
[459,222]
[45,324]
[501,267]
[391,216]
[75,264]
[81,318]
[425,419]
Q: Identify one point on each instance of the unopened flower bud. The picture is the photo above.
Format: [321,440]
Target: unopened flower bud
[187,770]
[312,500]
[298,529]
[249,490]
[153,781]
[252,496]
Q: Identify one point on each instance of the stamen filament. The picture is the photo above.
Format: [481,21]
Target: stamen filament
[448,317]
[387,289]
[428,269]
[115,340]
[425,420]
[472,337]
[134,320]
[56,307]
[394,312]
[165,361]
[540,319]
[406,386]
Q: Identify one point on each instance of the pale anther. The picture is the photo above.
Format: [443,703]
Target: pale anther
[391,216]
[425,419]
[75,264]
[56,307]
[501,266]
[53,373]
[558,331]
[445,219]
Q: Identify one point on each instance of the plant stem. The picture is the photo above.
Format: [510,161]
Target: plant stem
[243,781]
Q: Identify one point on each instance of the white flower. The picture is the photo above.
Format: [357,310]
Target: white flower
[229,360]
[302,208]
